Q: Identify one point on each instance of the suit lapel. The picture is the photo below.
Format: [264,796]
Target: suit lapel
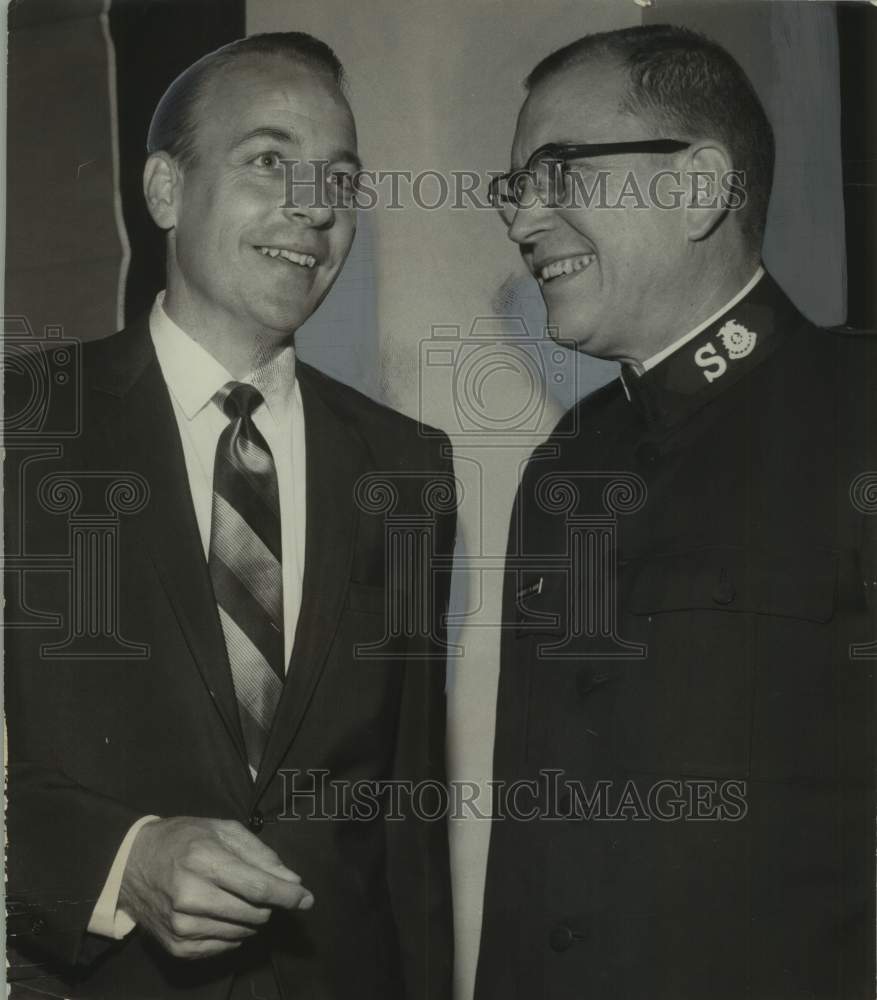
[144,436]
[333,464]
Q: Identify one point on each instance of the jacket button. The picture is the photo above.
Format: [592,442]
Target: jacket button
[561,938]
[257,821]
[37,925]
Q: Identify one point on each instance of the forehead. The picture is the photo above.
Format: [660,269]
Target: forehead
[276,92]
[577,104]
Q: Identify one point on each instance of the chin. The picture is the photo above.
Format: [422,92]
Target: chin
[568,326]
[283,318]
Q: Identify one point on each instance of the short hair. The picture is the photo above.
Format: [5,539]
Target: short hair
[684,81]
[173,128]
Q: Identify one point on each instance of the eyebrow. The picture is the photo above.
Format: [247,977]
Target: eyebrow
[268,132]
[288,136]
[345,156]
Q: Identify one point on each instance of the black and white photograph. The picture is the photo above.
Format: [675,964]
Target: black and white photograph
[440,499]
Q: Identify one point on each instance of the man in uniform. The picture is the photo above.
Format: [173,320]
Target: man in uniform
[173,826]
[684,718]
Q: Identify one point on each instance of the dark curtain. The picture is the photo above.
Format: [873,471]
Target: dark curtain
[857,30]
[155,40]
[64,195]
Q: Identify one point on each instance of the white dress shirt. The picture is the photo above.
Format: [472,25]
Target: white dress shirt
[193,378]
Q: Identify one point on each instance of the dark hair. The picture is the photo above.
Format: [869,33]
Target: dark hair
[685,82]
[174,122]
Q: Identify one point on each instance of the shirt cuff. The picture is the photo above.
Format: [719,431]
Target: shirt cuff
[107,919]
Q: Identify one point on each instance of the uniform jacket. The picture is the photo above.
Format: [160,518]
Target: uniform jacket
[102,737]
[687,681]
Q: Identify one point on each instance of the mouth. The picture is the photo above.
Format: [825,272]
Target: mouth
[294,257]
[563,267]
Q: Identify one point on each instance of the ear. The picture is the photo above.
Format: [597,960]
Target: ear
[707,168]
[162,187]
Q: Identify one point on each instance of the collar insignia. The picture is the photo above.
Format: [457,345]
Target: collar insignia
[737,340]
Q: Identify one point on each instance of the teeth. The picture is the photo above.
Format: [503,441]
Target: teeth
[303,260]
[566,266]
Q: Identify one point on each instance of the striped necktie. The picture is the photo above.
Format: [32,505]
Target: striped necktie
[245,564]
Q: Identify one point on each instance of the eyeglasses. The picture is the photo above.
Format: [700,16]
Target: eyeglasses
[547,170]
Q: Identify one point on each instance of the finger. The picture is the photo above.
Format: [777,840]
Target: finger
[247,846]
[188,928]
[198,949]
[205,899]
[261,888]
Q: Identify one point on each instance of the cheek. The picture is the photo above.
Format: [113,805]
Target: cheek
[341,238]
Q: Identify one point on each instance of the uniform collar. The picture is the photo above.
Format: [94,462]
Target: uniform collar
[710,359]
[656,359]
[194,376]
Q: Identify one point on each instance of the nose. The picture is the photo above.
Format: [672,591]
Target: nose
[531,218]
[306,197]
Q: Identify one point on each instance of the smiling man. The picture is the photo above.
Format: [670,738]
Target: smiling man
[684,718]
[168,809]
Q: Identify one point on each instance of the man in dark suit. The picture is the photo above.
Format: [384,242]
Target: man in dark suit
[181,771]
[685,702]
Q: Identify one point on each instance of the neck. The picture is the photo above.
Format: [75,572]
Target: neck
[707,289]
[239,351]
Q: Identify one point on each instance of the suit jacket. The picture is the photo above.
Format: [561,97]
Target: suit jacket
[690,599]
[136,713]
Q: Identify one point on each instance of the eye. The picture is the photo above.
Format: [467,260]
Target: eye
[268,161]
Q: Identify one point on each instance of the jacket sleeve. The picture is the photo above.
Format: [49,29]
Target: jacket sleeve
[61,837]
[62,840]
[417,846]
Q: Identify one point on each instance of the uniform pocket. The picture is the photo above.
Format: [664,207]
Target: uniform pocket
[798,585]
[715,620]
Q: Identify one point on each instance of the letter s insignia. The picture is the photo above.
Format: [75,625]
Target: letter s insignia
[714,364]
[738,341]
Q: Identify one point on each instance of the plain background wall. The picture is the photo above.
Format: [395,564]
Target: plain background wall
[790,52]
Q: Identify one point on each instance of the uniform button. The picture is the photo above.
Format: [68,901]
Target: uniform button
[561,938]
[37,925]
[257,821]
[724,592]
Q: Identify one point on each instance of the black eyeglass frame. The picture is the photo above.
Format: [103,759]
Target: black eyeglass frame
[560,153]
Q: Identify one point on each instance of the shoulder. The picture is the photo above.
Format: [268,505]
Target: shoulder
[587,411]
[387,432]
[115,361]
[833,360]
